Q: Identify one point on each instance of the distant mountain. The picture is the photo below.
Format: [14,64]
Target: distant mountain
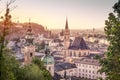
[18,30]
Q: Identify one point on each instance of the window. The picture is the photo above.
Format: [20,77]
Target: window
[79,54]
[49,68]
[74,54]
[89,71]
[86,70]
[84,53]
[89,66]
[31,54]
[70,53]
[88,53]
[83,70]
[79,64]
[93,72]
[93,77]
[79,70]
[79,74]
[83,65]
[89,76]
[83,75]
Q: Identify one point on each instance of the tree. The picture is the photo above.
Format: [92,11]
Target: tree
[111,63]
[40,64]
[6,61]
[8,65]
[32,72]
[10,68]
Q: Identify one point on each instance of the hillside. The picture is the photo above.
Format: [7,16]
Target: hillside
[18,30]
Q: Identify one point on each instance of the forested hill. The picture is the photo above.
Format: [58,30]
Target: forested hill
[18,30]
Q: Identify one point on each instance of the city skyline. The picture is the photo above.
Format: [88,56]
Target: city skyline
[81,14]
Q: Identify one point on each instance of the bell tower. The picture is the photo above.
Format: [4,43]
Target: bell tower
[48,60]
[66,38]
[29,48]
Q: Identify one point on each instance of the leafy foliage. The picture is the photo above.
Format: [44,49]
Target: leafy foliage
[111,63]
[45,72]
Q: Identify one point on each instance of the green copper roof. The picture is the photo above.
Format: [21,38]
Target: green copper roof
[48,59]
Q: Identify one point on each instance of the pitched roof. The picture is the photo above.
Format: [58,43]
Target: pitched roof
[64,66]
[79,43]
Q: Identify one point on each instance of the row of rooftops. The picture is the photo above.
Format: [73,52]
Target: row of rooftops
[87,61]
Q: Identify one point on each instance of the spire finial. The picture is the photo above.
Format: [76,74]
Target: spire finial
[47,50]
[66,25]
[29,29]
[29,23]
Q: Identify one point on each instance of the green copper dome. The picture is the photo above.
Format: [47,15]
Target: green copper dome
[48,59]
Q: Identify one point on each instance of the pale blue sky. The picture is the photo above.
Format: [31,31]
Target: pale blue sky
[81,14]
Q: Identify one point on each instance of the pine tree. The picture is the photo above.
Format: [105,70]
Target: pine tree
[111,63]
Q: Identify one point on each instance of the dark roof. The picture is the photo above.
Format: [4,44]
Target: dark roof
[57,40]
[90,56]
[58,58]
[57,77]
[87,61]
[75,78]
[64,66]
[79,43]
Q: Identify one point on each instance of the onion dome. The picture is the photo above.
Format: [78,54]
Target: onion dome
[48,59]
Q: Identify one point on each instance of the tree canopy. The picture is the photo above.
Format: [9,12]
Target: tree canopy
[111,63]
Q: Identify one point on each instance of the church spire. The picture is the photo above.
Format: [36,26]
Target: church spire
[29,29]
[66,25]
[29,36]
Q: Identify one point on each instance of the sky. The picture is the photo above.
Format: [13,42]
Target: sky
[81,14]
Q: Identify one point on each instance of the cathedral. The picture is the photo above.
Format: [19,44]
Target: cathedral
[75,49]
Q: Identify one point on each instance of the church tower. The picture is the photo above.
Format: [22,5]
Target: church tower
[48,60]
[29,48]
[66,38]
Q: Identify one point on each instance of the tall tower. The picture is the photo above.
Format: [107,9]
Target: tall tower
[66,36]
[48,60]
[29,48]
[66,39]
